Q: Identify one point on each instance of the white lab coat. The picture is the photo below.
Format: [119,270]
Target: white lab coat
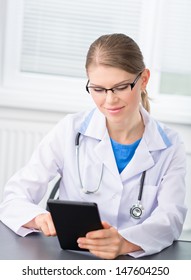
[160,153]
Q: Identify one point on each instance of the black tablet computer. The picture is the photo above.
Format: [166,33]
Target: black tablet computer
[73,219]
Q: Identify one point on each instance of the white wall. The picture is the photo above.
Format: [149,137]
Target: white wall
[21,130]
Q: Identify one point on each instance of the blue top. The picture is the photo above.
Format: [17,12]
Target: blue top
[123,153]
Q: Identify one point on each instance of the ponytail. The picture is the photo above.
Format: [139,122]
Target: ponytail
[145,100]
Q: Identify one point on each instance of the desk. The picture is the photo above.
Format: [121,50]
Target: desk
[38,247]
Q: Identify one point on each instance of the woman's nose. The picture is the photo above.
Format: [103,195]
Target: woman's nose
[111,97]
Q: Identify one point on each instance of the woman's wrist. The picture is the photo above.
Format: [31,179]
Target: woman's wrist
[128,247]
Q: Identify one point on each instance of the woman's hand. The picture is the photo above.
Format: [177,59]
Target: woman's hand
[106,243]
[44,223]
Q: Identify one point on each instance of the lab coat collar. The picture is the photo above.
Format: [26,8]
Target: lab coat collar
[154,135]
[94,125]
[154,139]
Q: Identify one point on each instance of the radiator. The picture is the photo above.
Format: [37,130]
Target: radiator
[17,142]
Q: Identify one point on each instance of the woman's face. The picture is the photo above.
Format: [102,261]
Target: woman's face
[121,105]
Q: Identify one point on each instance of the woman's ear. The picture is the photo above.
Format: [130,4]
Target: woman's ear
[145,78]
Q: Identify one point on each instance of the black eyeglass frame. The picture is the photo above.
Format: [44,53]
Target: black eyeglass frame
[113,89]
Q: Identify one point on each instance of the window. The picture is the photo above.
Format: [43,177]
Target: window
[56,33]
[174,48]
[45,43]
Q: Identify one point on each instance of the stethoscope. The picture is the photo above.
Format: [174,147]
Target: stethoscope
[137,209]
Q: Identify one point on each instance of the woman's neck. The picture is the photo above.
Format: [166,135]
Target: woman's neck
[128,132]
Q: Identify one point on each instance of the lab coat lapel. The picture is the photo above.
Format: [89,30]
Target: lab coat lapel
[141,161]
[105,153]
[96,128]
[154,139]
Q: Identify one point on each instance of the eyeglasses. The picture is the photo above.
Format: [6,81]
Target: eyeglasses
[123,88]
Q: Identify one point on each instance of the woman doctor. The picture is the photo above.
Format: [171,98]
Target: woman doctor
[132,166]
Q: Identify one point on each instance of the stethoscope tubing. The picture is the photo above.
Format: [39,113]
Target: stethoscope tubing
[137,206]
[85,190]
[141,186]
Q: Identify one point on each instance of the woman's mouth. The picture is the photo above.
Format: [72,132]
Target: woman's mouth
[114,110]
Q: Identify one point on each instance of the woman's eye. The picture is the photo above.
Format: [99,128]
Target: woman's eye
[122,87]
[99,90]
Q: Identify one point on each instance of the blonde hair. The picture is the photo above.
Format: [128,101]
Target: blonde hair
[119,51]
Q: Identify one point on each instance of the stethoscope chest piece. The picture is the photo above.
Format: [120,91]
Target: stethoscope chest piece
[136,210]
